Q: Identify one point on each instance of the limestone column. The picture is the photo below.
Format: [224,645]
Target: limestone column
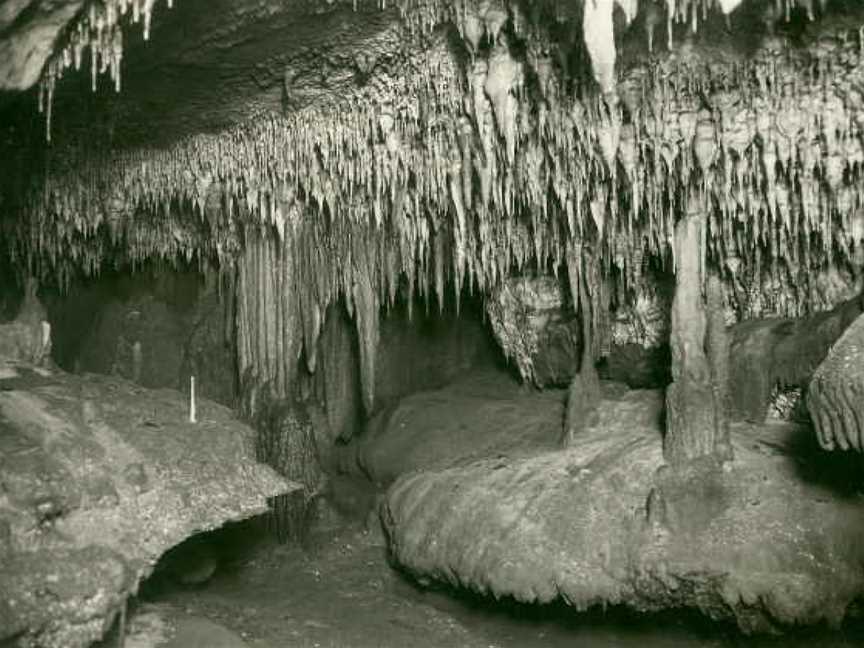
[584,394]
[695,401]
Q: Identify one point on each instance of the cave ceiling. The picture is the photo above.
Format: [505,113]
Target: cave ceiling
[456,139]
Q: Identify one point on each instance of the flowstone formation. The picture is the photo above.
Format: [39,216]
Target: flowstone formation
[601,523]
[835,397]
[484,413]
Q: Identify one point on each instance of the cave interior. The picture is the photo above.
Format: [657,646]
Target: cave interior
[510,323]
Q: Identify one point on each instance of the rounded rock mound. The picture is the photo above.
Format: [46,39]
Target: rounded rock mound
[760,541]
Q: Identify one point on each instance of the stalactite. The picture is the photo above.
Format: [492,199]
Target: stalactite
[269,331]
[99,31]
[493,176]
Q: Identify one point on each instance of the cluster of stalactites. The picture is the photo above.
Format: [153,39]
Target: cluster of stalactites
[284,286]
[489,177]
[99,30]
[479,19]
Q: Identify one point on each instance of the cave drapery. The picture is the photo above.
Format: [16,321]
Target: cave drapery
[465,142]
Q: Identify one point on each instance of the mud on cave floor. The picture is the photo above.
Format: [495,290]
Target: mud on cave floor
[340,592]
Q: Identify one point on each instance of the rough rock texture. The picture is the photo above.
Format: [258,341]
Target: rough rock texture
[835,398]
[767,541]
[265,56]
[484,414]
[694,413]
[645,321]
[637,367]
[165,626]
[639,350]
[98,478]
[420,352]
[767,353]
[536,329]
[27,338]
[30,29]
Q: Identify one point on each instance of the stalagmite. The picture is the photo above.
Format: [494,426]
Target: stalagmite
[366,314]
[693,428]
[717,353]
[193,414]
[583,396]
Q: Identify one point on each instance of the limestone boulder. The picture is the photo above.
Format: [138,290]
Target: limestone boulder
[485,414]
[98,478]
[770,353]
[761,541]
[835,398]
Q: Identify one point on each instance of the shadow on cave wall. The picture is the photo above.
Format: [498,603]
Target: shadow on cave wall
[840,473]
[432,348]
[156,326]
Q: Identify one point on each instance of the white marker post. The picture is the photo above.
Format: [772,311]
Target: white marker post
[192,399]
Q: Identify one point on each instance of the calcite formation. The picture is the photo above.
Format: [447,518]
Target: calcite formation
[27,338]
[695,408]
[835,396]
[454,168]
[483,414]
[597,524]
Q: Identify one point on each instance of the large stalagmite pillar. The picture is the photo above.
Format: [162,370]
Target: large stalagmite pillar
[583,396]
[695,401]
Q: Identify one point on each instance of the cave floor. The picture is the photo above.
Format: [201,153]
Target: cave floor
[340,592]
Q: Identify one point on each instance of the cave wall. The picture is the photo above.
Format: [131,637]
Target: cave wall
[185,326]
[177,319]
[429,349]
[418,350]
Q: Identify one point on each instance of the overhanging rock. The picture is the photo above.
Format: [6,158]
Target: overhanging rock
[98,478]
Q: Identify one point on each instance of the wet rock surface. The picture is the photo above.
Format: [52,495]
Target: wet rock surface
[835,398]
[98,478]
[762,541]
